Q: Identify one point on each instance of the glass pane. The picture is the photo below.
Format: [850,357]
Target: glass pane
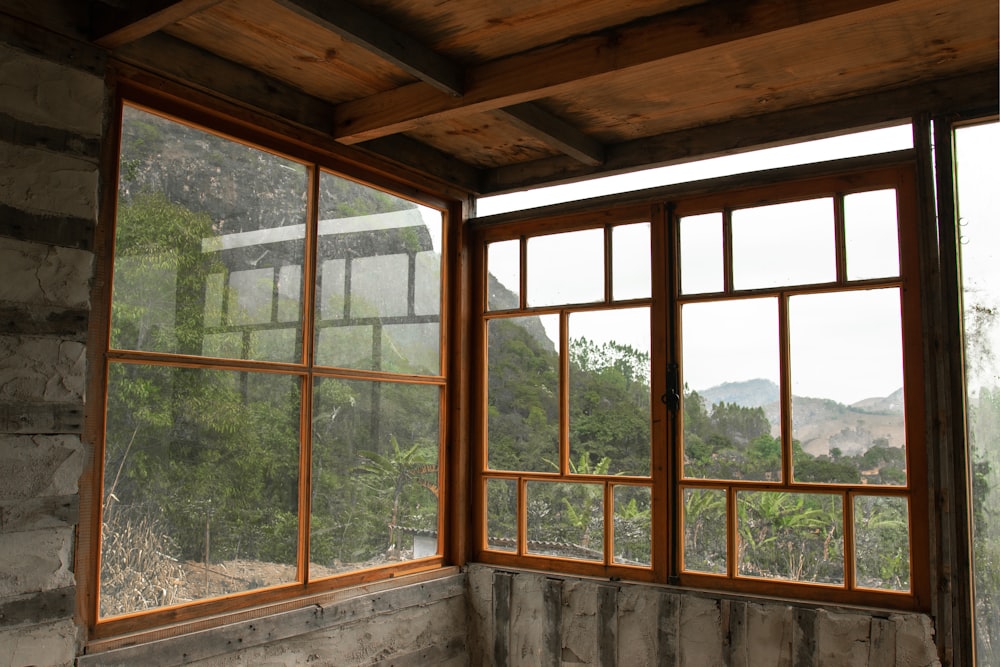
[566,520]
[204,263]
[633,536]
[701,254]
[977,149]
[791,536]
[503,280]
[501,514]
[732,413]
[566,268]
[705,531]
[523,393]
[375,474]
[871,234]
[609,396]
[630,262]
[379,280]
[200,485]
[847,387]
[784,244]
[882,542]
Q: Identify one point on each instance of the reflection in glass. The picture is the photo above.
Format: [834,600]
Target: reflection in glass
[977,148]
[784,244]
[633,536]
[609,395]
[791,536]
[701,254]
[871,235]
[731,379]
[847,379]
[374,474]
[503,278]
[566,520]
[566,268]
[882,542]
[200,485]
[705,531]
[630,261]
[379,281]
[523,394]
[501,514]
[198,269]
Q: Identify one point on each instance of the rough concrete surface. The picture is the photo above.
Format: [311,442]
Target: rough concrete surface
[46,275]
[41,369]
[43,182]
[46,93]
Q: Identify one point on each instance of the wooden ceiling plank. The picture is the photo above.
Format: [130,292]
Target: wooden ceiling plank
[378,37]
[951,95]
[216,77]
[583,61]
[113,30]
[555,132]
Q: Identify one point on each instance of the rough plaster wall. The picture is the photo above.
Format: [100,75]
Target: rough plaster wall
[609,624]
[51,117]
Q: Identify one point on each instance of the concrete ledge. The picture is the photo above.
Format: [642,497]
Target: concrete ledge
[315,630]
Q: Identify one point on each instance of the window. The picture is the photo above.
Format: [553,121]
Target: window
[274,375]
[746,414]
[975,155]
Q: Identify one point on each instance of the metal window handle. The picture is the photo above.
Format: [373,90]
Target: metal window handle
[672,397]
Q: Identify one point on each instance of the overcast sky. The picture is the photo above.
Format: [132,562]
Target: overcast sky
[730,342]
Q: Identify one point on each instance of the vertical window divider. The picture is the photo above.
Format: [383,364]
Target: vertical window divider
[727,250]
[840,237]
[732,532]
[564,462]
[850,567]
[609,522]
[523,272]
[785,391]
[608,254]
[311,243]
[522,516]
[666,431]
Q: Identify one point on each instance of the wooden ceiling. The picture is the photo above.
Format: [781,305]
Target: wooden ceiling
[494,96]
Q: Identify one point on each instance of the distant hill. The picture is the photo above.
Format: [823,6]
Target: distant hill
[821,424]
[750,393]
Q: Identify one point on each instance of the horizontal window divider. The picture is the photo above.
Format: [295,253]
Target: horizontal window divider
[573,307]
[379,376]
[814,288]
[330,323]
[214,363]
[797,487]
[633,480]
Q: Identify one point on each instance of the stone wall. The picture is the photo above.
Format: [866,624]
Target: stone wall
[525,619]
[52,113]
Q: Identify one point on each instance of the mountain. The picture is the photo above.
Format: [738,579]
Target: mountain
[821,424]
[750,393]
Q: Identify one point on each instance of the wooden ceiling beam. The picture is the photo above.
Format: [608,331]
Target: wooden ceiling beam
[113,29]
[555,132]
[978,90]
[582,61]
[371,33]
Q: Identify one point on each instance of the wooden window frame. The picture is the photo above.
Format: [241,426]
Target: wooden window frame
[664,209]
[319,154]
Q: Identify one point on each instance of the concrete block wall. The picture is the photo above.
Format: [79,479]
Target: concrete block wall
[52,113]
[523,618]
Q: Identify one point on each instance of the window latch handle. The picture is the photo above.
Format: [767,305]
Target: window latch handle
[672,397]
